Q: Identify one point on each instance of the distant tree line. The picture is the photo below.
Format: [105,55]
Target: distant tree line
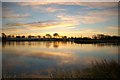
[105,37]
[58,37]
[55,35]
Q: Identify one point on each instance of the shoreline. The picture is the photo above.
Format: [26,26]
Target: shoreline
[76,40]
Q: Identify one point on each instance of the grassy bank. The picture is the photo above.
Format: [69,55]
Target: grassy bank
[105,70]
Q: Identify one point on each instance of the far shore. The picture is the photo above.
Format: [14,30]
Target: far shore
[76,40]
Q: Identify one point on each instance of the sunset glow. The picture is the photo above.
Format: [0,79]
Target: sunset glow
[65,18]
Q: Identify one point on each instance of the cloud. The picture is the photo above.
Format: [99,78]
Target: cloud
[42,6]
[40,25]
[50,55]
[50,9]
[98,4]
[105,13]
[66,20]
[90,16]
[60,16]
[87,32]
[89,4]
[16,16]
[8,13]
[91,19]
[78,19]
[33,3]
[12,29]
[113,28]
[47,9]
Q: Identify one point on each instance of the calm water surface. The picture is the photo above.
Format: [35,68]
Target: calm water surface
[39,59]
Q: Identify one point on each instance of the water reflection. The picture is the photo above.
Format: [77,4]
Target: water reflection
[55,44]
[39,59]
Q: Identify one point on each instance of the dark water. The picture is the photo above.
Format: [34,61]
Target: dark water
[39,59]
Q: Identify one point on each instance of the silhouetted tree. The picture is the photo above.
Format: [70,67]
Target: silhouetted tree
[48,35]
[4,35]
[29,36]
[33,36]
[39,36]
[71,37]
[86,38]
[94,37]
[9,36]
[17,36]
[56,35]
[43,36]
[12,36]
[100,36]
[23,36]
[64,37]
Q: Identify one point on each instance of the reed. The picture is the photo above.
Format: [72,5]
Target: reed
[99,69]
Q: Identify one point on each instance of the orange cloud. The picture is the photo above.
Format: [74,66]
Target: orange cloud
[44,24]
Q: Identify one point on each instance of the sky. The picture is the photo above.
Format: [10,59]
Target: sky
[65,18]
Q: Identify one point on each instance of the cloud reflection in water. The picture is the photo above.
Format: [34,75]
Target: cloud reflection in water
[39,59]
